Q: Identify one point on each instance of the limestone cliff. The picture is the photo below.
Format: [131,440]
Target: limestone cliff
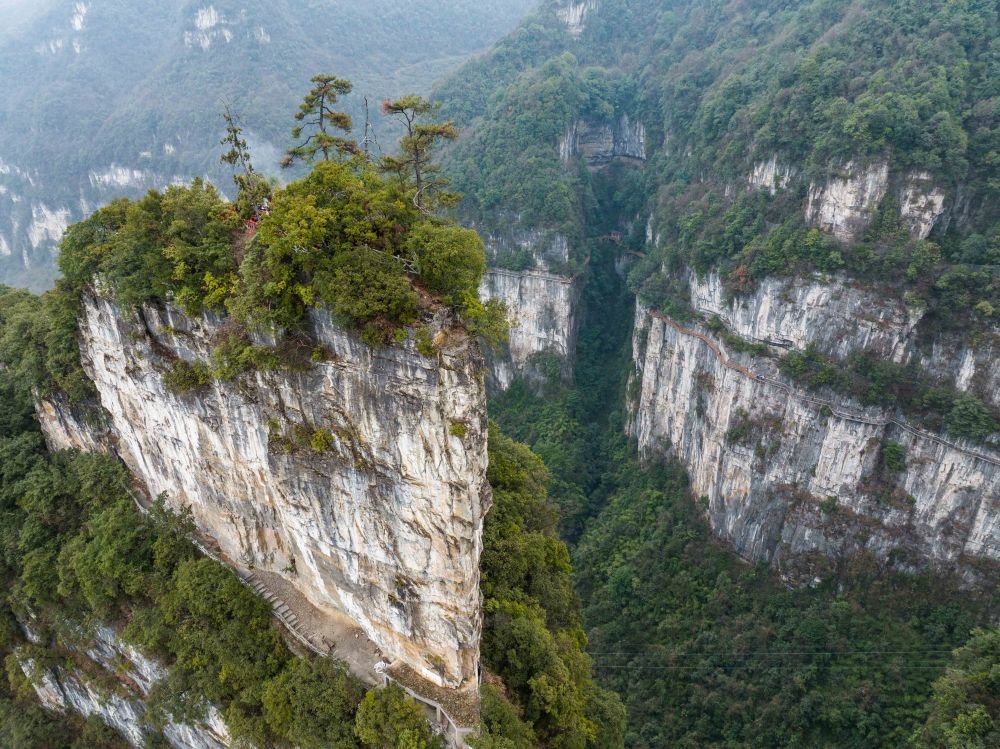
[529,273]
[599,143]
[786,474]
[543,322]
[844,203]
[121,706]
[574,14]
[360,478]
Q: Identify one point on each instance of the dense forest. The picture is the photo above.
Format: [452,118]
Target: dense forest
[817,86]
[705,649]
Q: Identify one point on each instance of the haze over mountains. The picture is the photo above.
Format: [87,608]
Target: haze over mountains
[104,98]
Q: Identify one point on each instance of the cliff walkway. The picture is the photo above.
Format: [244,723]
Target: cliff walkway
[455,714]
[837,410]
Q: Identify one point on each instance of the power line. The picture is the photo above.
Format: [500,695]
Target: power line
[895,667]
[723,654]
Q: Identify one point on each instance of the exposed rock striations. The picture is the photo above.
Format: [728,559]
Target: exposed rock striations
[134,676]
[360,478]
[786,474]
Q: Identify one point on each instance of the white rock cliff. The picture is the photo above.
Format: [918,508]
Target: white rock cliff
[60,689]
[785,476]
[542,300]
[381,519]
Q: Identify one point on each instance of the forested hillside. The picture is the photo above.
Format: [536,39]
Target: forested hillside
[79,560]
[749,112]
[722,88]
[105,98]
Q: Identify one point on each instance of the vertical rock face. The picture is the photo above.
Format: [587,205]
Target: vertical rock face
[361,479]
[574,14]
[543,308]
[844,205]
[770,175]
[61,689]
[921,204]
[542,301]
[837,317]
[600,143]
[788,478]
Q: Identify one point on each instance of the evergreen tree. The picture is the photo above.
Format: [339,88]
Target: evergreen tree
[416,149]
[316,112]
[252,188]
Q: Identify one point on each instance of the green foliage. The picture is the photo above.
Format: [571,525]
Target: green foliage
[876,381]
[169,245]
[386,719]
[252,189]
[965,706]
[451,260]
[533,637]
[502,726]
[321,440]
[422,134]
[458,429]
[489,321]
[343,237]
[509,162]
[313,704]
[315,113]
[424,341]
[38,342]
[185,377]
[236,355]
[894,456]
[970,418]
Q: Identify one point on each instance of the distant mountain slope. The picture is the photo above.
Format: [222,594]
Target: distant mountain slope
[105,97]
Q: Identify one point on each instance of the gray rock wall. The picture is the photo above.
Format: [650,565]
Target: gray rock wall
[61,689]
[384,524]
[784,477]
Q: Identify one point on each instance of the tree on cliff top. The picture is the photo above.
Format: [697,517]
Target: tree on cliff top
[316,112]
[416,149]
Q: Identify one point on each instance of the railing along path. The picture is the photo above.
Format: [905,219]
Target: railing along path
[286,617]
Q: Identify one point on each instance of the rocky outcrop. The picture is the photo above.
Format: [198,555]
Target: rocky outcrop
[770,175]
[844,205]
[921,204]
[529,273]
[359,478]
[574,14]
[838,316]
[600,143]
[122,707]
[786,477]
[543,323]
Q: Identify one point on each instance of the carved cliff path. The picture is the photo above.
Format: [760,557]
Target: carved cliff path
[836,409]
[330,634]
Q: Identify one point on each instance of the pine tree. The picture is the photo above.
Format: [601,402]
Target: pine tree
[252,189]
[416,148]
[316,112]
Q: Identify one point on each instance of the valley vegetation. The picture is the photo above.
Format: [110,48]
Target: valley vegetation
[75,553]
[705,650]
